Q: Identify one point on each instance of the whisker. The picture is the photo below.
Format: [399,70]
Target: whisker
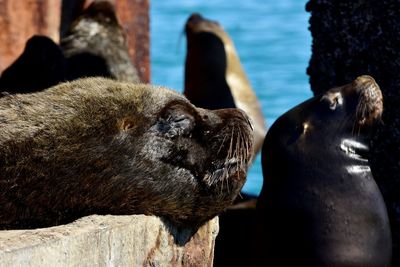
[222,143]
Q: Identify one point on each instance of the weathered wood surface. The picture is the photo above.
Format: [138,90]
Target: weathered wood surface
[136,240]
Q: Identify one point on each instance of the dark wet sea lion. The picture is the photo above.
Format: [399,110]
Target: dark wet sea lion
[100,146]
[214,77]
[41,65]
[95,45]
[320,205]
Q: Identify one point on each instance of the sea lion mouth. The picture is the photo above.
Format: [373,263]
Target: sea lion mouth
[235,165]
[370,103]
[233,168]
[217,169]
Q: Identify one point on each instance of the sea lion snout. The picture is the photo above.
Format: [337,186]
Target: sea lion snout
[195,22]
[231,136]
[363,95]
[195,18]
[237,114]
[364,79]
[370,100]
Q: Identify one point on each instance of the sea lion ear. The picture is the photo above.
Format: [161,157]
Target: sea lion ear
[126,124]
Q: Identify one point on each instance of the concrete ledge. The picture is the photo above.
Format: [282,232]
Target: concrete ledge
[137,240]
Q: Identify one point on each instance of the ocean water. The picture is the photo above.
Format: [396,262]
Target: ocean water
[271,38]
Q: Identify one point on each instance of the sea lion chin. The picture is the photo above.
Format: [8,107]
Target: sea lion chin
[319,202]
[100,146]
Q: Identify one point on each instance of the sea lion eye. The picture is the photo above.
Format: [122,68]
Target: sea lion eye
[126,124]
[175,122]
[334,99]
[181,121]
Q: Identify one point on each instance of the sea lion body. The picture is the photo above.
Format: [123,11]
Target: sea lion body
[100,146]
[214,76]
[95,45]
[319,205]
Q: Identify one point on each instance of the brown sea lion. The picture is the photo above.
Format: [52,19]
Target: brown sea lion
[95,45]
[319,205]
[214,77]
[100,146]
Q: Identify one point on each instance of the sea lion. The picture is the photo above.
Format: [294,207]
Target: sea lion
[41,65]
[95,45]
[319,205]
[100,146]
[214,77]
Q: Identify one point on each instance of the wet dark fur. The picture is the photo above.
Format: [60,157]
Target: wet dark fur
[319,204]
[99,146]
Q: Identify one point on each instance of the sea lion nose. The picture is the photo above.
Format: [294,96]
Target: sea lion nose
[195,18]
[235,113]
[365,81]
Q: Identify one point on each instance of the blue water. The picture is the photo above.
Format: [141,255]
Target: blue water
[272,40]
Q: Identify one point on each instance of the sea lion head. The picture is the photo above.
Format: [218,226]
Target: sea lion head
[196,23]
[362,95]
[202,155]
[336,124]
[99,146]
[348,111]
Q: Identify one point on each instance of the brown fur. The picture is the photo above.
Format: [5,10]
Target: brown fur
[100,146]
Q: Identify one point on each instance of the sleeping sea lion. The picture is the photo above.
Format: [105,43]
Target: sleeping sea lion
[98,146]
